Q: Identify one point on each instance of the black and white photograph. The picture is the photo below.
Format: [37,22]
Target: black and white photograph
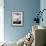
[17,18]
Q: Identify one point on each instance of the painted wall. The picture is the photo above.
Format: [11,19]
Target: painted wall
[30,7]
[43,6]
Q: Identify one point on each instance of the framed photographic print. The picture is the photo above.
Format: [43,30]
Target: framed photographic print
[17,18]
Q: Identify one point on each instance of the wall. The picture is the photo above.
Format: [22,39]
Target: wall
[29,7]
[43,6]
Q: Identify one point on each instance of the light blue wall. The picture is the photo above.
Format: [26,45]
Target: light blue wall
[29,7]
[43,6]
